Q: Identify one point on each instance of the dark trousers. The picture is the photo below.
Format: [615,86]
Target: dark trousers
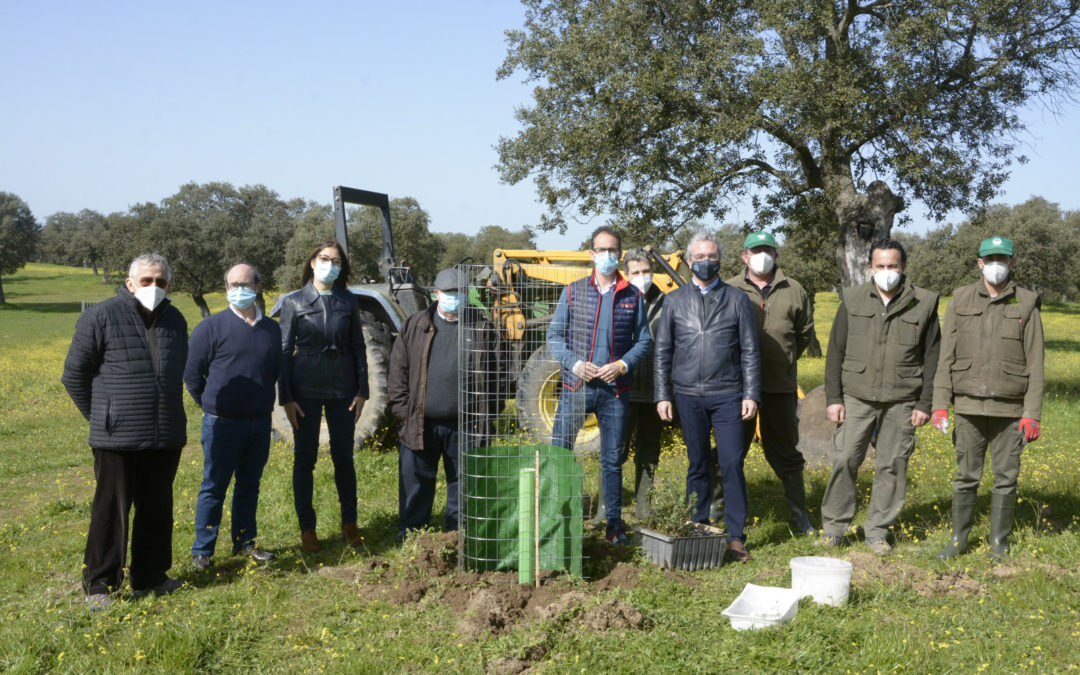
[341,423]
[723,416]
[143,479]
[417,471]
[231,447]
[779,418]
[643,430]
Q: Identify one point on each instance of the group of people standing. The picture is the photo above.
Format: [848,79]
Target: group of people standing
[126,369]
[721,356]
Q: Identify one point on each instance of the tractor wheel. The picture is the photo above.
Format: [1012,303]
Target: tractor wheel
[538,398]
[377,343]
[376,413]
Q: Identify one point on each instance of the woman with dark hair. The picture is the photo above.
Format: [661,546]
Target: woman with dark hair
[323,370]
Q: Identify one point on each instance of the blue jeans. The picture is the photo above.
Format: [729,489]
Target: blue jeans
[231,447]
[417,471]
[723,416]
[341,423]
[610,410]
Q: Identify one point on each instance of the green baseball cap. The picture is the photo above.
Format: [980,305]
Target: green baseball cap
[995,245]
[755,239]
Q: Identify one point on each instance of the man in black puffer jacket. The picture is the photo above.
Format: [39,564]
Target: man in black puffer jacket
[124,371]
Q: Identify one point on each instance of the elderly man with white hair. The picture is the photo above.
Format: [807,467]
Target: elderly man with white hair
[124,372]
[708,364]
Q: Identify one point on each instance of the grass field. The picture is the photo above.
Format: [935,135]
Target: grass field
[319,613]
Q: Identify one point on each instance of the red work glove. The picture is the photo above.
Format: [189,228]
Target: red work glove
[1029,428]
[940,420]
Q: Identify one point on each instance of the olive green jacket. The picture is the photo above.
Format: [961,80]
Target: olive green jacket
[641,389]
[884,353]
[992,353]
[785,326]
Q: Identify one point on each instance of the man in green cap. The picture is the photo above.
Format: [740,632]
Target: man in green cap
[879,374]
[785,326]
[991,372]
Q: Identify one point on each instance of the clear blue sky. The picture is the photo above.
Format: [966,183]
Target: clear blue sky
[108,104]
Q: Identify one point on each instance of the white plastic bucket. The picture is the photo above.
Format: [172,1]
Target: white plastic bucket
[826,580]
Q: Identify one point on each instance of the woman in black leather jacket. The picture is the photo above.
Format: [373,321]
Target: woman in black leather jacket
[324,368]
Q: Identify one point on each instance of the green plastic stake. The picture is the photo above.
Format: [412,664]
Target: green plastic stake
[526,524]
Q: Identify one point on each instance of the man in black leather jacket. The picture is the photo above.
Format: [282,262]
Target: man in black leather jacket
[708,330]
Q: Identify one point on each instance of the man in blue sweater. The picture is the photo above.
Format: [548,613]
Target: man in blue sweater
[232,368]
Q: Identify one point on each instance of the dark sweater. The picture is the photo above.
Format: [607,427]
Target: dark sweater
[441,398]
[232,366]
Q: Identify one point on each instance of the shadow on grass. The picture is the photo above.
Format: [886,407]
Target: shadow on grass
[1063,345]
[43,307]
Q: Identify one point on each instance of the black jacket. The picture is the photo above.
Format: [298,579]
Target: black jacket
[127,380]
[706,345]
[407,380]
[322,354]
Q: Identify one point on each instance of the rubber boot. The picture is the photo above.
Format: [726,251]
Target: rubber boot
[716,504]
[643,482]
[963,515]
[601,510]
[1002,508]
[795,497]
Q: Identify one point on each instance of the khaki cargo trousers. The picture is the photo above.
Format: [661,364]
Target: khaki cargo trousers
[894,447]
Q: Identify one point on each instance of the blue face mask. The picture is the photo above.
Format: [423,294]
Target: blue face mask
[326,272]
[606,263]
[449,302]
[241,298]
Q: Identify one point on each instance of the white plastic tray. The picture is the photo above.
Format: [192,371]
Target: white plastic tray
[762,606]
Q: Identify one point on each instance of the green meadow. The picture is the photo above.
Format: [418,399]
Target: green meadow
[338,611]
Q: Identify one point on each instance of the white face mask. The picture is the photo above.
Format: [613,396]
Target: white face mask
[150,296]
[642,281]
[886,280]
[762,263]
[995,272]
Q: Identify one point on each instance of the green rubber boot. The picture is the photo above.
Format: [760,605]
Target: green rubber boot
[601,508]
[643,481]
[1002,508]
[963,515]
[795,497]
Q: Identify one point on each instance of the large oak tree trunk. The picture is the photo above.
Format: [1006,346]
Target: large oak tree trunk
[2,300]
[863,219]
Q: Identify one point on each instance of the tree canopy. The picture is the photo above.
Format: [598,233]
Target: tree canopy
[19,233]
[663,111]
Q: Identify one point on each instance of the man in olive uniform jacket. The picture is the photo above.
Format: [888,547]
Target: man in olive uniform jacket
[879,373]
[991,372]
[785,326]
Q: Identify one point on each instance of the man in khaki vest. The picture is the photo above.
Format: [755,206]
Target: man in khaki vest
[785,326]
[991,372]
[879,373]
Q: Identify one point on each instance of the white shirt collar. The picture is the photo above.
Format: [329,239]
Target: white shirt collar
[258,315]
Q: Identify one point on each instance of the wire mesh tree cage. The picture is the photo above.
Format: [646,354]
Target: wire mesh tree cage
[521,493]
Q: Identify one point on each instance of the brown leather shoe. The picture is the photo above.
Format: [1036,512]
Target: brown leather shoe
[351,534]
[737,551]
[309,542]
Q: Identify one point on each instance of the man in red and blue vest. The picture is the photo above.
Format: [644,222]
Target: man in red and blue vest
[599,333]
